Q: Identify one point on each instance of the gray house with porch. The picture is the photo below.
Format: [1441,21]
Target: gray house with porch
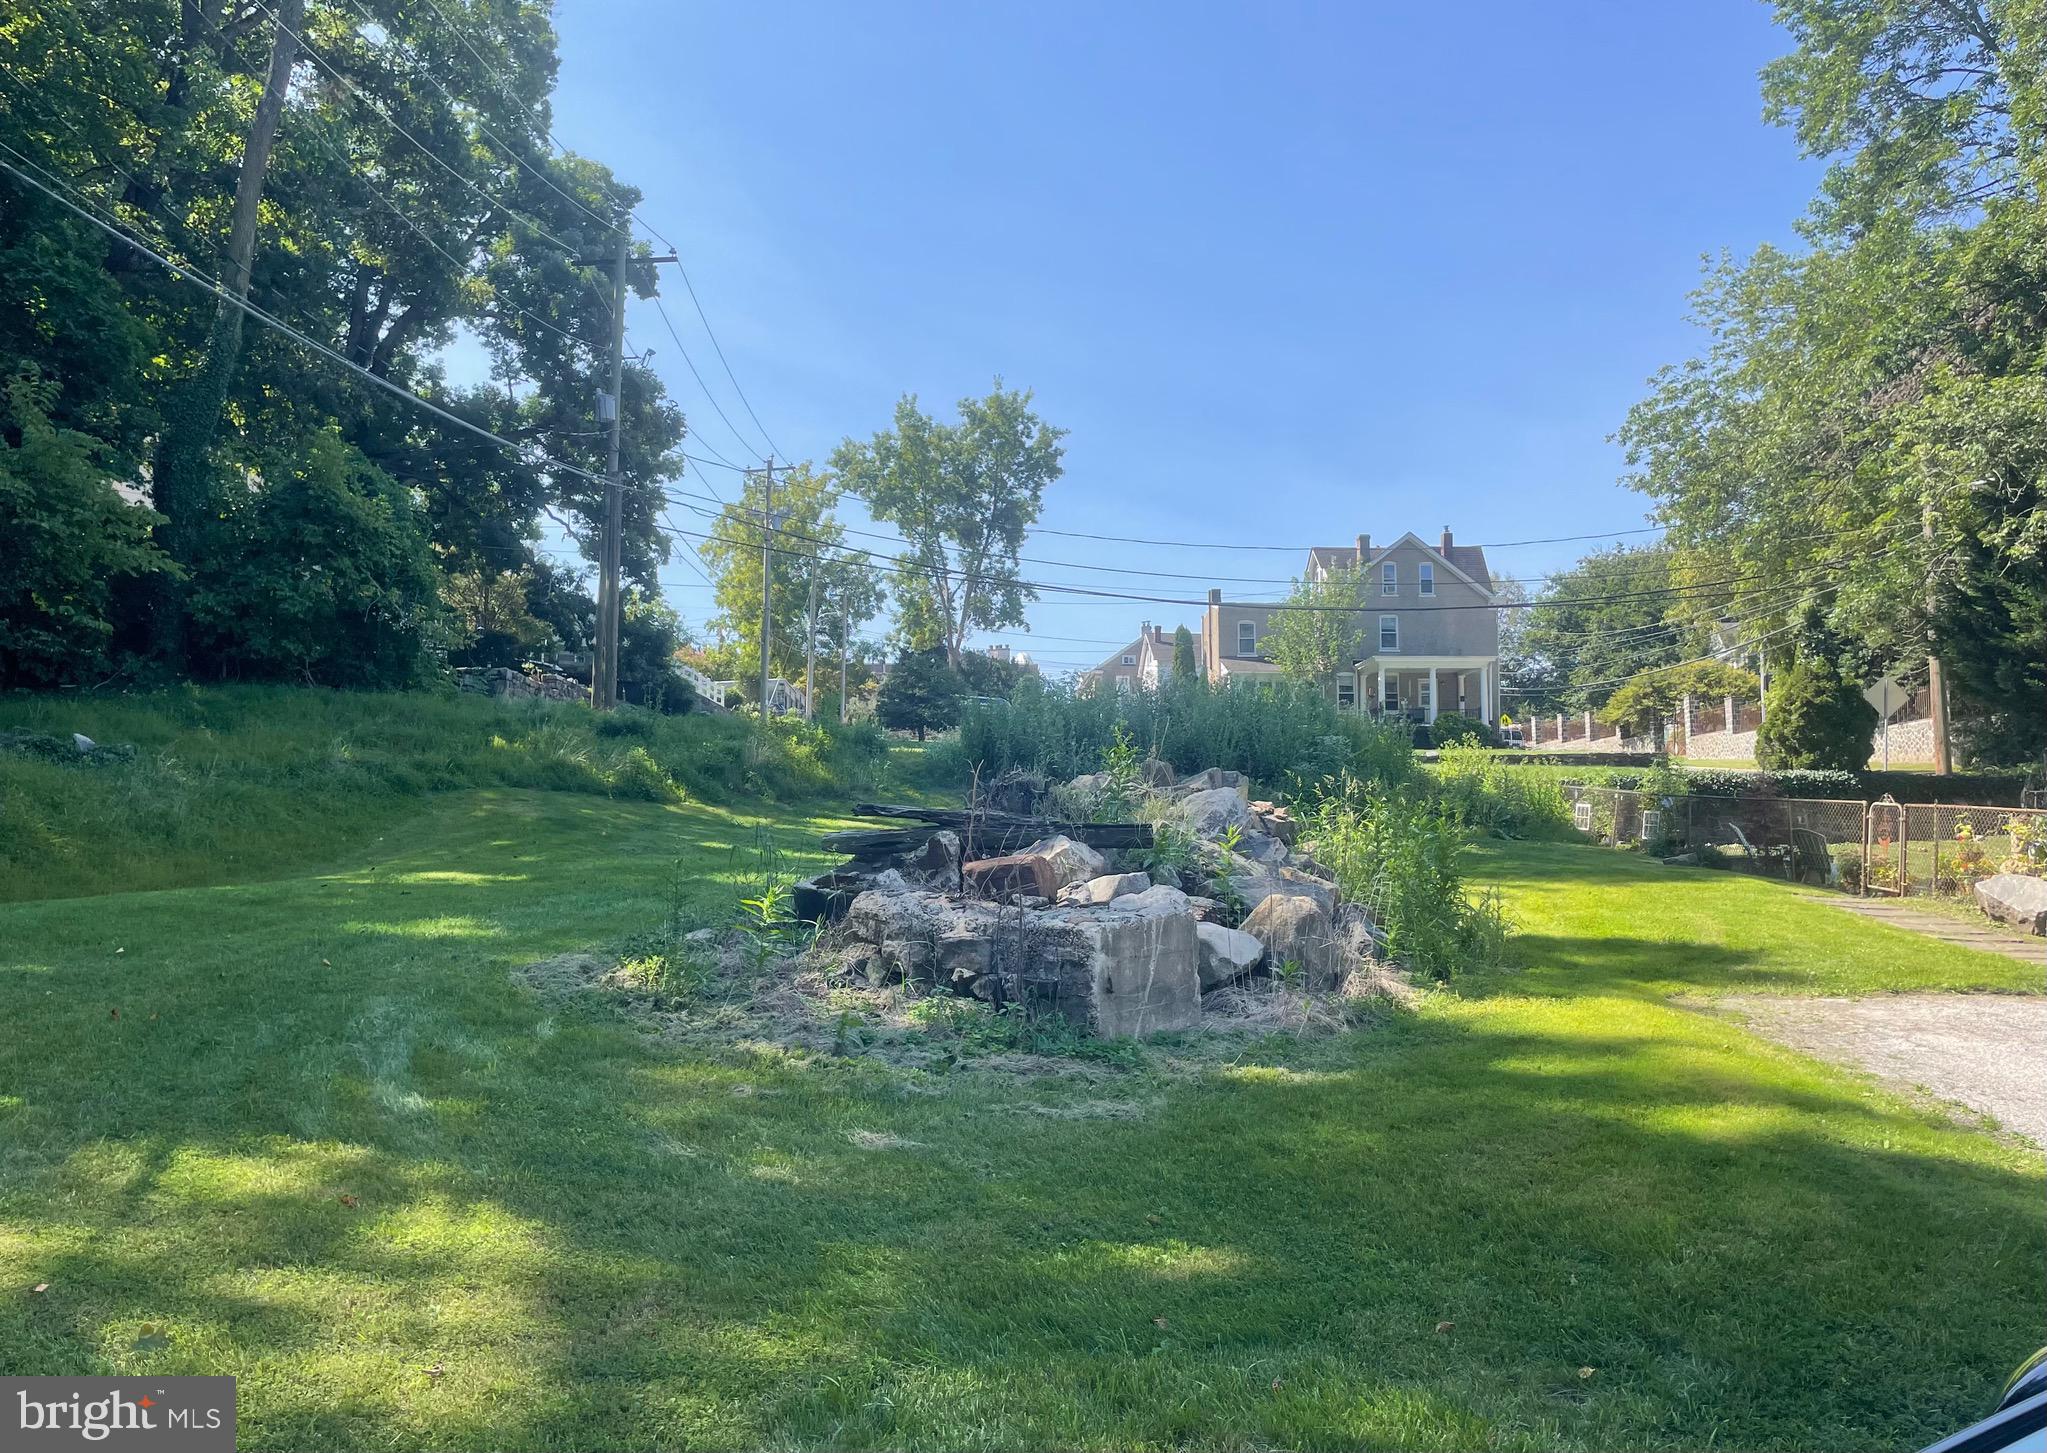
[1429,632]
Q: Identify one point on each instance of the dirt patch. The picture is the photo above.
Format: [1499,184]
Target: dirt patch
[1981,1050]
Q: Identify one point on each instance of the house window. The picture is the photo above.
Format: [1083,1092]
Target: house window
[1428,579]
[1347,690]
[1129,660]
[1389,579]
[1247,638]
[1421,693]
[1389,633]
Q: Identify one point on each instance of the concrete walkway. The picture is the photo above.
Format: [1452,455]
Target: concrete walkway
[1986,936]
[1983,1050]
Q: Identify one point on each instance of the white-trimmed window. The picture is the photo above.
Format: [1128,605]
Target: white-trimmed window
[1347,690]
[1421,693]
[1247,638]
[1427,575]
[1129,660]
[1389,633]
[1389,578]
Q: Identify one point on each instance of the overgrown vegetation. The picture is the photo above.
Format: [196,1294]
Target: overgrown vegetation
[232,782]
[1395,849]
[1269,733]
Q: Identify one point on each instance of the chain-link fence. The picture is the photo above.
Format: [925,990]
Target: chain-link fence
[1873,848]
[1945,850]
[1805,839]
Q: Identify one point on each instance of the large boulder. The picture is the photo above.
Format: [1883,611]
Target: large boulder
[1070,862]
[1160,898]
[2015,898]
[1105,888]
[1122,971]
[1254,882]
[1153,772]
[1018,791]
[1226,954]
[1297,932]
[1259,847]
[1040,870]
[1208,814]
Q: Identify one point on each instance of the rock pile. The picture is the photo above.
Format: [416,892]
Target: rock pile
[1088,931]
[536,680]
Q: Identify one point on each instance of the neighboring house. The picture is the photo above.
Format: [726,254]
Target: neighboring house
[1146,661]
[1429,634]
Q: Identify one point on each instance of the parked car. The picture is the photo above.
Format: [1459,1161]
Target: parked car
[2019,1425]
[1510,736]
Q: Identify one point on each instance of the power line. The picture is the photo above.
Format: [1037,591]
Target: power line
[708,395]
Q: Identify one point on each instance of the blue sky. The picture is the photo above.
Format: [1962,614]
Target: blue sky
[1287,272]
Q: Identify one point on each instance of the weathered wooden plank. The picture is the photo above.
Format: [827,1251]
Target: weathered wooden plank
[876,842]
[989,829]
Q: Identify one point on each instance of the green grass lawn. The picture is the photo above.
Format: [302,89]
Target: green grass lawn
[310,1131]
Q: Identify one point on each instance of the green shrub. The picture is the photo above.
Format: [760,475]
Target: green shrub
[1455,729]
[1815,719]
[1395,850]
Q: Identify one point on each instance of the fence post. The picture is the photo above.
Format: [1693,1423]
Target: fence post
[1904,851]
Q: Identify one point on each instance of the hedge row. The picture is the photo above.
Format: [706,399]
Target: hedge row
[1972,789]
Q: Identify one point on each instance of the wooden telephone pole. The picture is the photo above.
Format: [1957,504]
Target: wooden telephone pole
[604,669]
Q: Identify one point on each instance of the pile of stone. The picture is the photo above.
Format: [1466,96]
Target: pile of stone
[1057,924]
[536,679]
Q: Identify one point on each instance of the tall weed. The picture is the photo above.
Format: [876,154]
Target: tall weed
[1395,850]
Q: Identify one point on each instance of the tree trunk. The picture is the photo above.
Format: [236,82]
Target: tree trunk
[194,413]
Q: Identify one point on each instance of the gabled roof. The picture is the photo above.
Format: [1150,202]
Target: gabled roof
[1332,557]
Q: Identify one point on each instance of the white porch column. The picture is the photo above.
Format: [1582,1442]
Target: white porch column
[1435,692]
[1382,688]
[1485,694]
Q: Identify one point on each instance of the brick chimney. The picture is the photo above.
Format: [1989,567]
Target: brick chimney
[1446,539]
[1364,547]
[1215,595]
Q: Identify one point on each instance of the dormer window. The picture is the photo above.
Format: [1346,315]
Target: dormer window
[1247,638]
[1428,578]
[1389,579]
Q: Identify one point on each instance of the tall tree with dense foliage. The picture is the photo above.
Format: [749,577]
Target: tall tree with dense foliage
[962,496]
[1185,665]
[411,198]
[1318,629]
[1866,434]
[920,694]
[1604,620]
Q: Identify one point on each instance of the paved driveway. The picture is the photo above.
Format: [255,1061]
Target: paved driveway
[1988,1051]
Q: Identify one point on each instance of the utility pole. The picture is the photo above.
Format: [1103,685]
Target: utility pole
[1936,678]
[604,673]
[604,669]
[769,524]
[810,645]
[842,663]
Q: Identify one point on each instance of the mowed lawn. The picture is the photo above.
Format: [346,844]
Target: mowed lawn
[312,1132]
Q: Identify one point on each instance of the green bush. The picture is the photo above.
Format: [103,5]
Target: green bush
[1815,719]
[1271,733]
[1395,850]
[1455,729]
